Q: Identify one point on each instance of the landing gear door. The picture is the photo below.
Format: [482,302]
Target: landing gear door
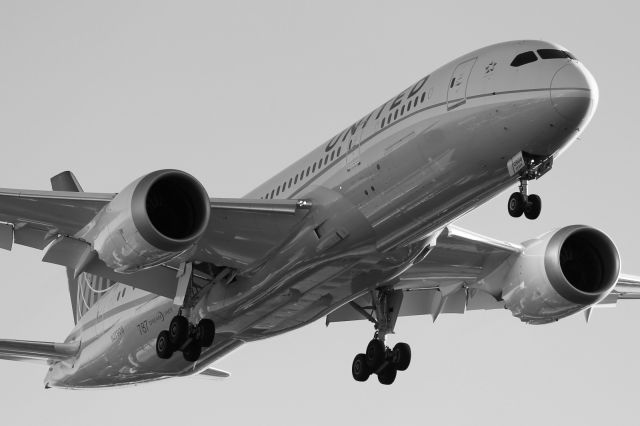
[457,90]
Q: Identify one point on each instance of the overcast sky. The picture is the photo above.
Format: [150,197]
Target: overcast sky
[233,92]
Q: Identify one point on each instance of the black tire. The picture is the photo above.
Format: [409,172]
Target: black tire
[192,351]
[163,345]
[533,208]
[516,205]
[205,332]
[178,330]
[375,354]
[388,374]
[401,356]
[359,368]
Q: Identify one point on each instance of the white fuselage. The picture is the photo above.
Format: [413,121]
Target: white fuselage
[385,185]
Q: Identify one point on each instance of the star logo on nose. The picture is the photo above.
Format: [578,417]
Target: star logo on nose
[489,68]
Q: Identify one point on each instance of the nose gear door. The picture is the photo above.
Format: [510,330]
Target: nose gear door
[457,90]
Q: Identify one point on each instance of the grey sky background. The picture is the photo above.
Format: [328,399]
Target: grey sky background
[233,92]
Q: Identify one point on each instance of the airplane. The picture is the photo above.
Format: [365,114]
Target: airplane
[164,280]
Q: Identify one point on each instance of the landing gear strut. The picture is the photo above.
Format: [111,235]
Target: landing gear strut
[529,167]
[182,335]
[378,358]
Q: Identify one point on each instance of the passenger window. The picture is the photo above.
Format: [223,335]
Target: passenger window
[395,115]
[383,120]
[415,102]
[314,168]
[308,170]
[422,97]
[524,58]
[272,191]
[338,153]
[332,153]
[402,110]
[389,119]
[295,180]
[266,196]
[278,190]
[552,54]
[409,106]
[290,181]
[326,159]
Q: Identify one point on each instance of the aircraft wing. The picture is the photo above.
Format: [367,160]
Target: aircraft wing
[23,350]
[439,283]
[39,217]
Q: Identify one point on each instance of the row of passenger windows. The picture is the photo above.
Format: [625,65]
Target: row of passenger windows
[324,161]
[405,108]
[303,174]
[528,57]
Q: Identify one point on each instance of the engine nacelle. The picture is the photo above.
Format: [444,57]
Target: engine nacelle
[153,220]
[561,273]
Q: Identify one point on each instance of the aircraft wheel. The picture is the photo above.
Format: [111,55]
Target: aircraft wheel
[533,207]
[388,374]
[375,354]
[359,368]
[178,330]
[192,352]
[517,204]
[163,345]
[205,332]
[401,356]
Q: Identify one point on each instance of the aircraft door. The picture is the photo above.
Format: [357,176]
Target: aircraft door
[354,135]
[457,90]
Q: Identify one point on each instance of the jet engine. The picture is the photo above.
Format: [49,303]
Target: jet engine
[153,220]
[560,273]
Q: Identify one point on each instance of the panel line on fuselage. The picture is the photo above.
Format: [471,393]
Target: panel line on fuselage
[313,178]
[110,313]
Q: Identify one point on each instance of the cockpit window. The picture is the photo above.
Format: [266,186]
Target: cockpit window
[554,54]
[523,59]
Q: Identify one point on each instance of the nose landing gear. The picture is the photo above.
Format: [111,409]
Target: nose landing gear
[529,167]
[379,359]
[521,202]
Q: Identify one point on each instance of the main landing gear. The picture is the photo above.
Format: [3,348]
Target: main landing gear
[529,167]
[379,359]
[185,337]
[182,335]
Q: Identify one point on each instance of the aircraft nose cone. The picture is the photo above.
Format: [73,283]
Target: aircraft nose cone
[574,93]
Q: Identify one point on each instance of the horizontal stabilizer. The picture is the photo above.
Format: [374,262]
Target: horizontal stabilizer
[23,350]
